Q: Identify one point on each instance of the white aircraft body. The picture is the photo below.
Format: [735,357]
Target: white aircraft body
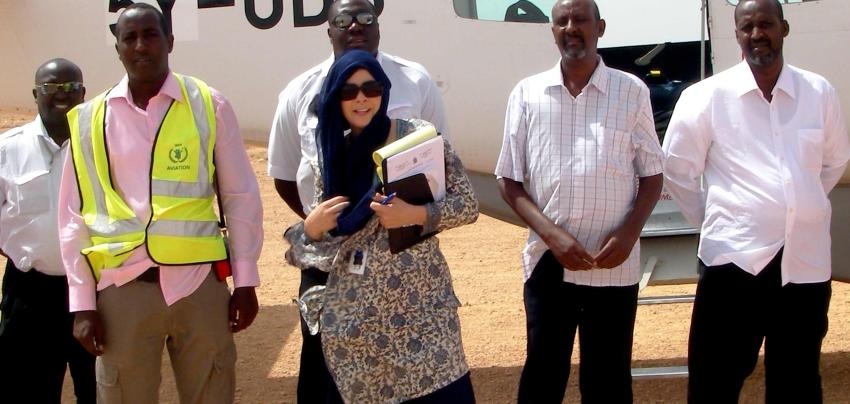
[250,49]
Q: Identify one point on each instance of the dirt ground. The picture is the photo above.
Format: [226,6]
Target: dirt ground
[484,260]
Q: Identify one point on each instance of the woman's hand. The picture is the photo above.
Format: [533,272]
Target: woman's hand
[397,213]
[323,218]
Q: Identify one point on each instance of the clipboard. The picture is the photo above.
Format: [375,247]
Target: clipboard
[416,191]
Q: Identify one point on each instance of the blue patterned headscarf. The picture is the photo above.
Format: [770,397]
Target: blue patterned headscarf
[349,170]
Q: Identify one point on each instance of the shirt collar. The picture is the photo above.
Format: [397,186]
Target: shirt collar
[746,82]
[785,82]
[170,88]
[326,65]
[599,79]
[36,128]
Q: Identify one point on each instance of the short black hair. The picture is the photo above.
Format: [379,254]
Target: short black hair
[60,63]
[369,2]
[776,2]
[163,22]
[596,13]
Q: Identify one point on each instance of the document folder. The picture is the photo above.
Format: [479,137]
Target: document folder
[413,190]
[414,168]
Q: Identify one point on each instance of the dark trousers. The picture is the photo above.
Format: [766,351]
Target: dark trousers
[734,312]
[36,341]
[457,392]
[316,385]
[605,319]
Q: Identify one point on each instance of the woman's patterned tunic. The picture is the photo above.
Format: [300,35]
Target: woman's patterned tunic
[392,333]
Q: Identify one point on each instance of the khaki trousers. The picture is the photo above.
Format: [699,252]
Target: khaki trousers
[195,329]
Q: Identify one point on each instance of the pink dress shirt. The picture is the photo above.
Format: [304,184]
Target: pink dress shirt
[130,133]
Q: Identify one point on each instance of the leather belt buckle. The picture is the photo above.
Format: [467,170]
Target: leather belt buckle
[151,275]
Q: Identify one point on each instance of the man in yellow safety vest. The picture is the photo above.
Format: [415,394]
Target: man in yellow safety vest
[139,230]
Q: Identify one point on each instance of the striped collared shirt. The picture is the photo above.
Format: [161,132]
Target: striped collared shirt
[580,159]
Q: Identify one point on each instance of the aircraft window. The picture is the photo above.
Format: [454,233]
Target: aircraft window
[529,11]
[665,52]
[735,2]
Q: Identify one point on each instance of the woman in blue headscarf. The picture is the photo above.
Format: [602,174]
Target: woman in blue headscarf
[389,327]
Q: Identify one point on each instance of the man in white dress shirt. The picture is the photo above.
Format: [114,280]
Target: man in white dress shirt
[36,342]
[581,165]
[293,160]
[750,156]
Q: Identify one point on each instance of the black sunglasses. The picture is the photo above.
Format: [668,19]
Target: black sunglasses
[370,89]
[52,88]
[343,21]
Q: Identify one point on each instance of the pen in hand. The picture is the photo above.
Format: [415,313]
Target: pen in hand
[387,199]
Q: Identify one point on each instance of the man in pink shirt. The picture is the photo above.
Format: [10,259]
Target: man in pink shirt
[131,302]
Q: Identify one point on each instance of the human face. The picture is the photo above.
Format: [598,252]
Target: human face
[356,36]
[52,108]
[576,29]
[760,32]
[360,111]
[142,46]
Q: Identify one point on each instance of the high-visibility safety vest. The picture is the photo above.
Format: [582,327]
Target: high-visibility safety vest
[183,226]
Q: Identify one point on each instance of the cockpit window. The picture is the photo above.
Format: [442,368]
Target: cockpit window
[735,2]
[528,11]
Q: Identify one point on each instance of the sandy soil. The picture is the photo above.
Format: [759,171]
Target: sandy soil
[484,260]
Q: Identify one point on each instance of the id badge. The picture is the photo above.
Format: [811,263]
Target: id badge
[357,262]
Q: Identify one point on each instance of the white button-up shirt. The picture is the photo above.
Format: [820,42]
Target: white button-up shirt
[766,169]
[30,171]
[292,142]
[580,159]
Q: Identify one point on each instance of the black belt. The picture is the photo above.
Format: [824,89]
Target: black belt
[151,275]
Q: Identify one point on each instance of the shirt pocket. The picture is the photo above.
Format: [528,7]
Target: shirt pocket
[31,193]
[616,152]
[810,148]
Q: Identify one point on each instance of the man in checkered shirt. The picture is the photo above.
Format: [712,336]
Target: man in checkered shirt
[581,165]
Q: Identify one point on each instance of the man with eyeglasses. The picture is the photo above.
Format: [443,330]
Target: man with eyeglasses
[293,161]
[36,342]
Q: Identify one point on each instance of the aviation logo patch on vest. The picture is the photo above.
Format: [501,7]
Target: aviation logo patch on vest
[178,154]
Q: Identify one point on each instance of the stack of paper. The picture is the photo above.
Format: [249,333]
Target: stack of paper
[420,152]
[413,168]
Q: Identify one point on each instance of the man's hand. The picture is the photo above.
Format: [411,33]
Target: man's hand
[397,213]
[323,218]
[88,329]
[616,248]
[243,308]
[566,249]
[569,251]
[619,243]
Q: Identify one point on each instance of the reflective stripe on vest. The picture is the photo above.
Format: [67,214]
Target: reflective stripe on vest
[183,228]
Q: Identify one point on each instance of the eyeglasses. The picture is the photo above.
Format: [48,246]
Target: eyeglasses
[344,21]
[370,89]
[52,88]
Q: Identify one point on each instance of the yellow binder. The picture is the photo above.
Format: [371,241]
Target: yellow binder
[418,137]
